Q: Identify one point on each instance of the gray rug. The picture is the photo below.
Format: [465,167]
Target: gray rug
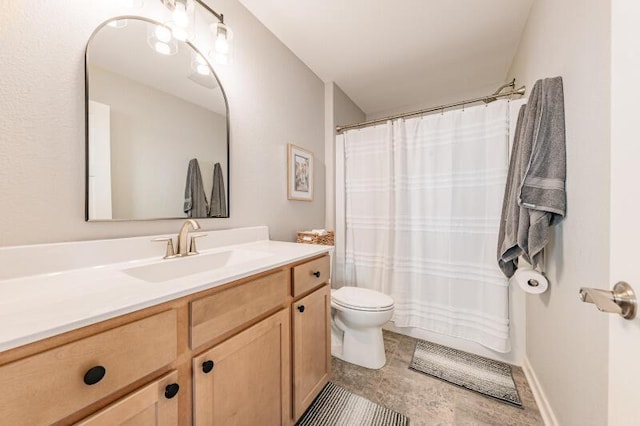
[335,406]
[476,373]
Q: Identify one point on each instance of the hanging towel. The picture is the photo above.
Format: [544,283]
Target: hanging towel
[195,200]
[218,206]
[535,197]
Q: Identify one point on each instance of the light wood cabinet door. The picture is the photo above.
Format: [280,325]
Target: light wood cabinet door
[311,347]
[154,405]
[246,379]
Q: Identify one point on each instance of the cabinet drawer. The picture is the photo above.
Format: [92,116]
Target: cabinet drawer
[155,404]
[214,315]
[51,385]
[310,275]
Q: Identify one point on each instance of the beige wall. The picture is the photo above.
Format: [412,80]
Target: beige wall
[273,99]
[339,110]
[567,340]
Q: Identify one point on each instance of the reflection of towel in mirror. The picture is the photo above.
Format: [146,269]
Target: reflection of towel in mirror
[535,197]
[218,206]
[195,200]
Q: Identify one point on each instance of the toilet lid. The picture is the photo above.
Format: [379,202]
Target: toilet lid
[361,299]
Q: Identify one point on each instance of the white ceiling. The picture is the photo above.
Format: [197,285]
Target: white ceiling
[389,54]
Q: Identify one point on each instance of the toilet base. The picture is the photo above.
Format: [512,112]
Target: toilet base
[363,347]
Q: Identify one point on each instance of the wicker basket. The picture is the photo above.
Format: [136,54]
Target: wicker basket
[311,238]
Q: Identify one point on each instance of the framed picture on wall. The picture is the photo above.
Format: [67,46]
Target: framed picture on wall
[299,173]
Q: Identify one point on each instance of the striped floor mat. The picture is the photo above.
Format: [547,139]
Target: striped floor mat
[479,374]
[336,406]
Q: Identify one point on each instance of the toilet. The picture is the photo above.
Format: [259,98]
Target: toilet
[357,317]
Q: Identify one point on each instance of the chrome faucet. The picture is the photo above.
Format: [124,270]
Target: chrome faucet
[182,249]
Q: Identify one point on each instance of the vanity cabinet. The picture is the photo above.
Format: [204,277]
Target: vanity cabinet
[255,351]
[49,386]
[246,379]
[311,345]
[154,405]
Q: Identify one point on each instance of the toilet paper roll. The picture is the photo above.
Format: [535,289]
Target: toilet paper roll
[531,281]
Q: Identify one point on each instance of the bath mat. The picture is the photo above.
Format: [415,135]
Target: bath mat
[473,372]
[335,406]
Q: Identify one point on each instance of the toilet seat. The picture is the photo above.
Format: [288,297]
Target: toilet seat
[361,299]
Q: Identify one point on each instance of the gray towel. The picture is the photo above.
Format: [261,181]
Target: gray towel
[218,206]
[535,197]
[195,200]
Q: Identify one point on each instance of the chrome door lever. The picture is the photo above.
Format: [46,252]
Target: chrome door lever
[621,300]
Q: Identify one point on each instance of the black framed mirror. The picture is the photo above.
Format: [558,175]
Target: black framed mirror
[157,126]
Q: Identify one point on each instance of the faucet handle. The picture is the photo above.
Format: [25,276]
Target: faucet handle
[170,250]
[192,244]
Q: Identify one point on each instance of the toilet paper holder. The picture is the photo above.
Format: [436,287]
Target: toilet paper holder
[621,300]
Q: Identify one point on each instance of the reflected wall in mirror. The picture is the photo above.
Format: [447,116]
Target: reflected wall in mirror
[153,105]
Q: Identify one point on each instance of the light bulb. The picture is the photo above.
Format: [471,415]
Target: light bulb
[162,48]
[222,44]
[163,34]
[180,17]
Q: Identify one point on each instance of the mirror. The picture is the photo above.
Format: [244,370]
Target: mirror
[153,105]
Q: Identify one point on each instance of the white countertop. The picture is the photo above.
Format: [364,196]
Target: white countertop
[40,306]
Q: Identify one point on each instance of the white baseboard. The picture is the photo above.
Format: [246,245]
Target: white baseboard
[546,412]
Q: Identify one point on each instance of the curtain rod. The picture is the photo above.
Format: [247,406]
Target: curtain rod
[486,99]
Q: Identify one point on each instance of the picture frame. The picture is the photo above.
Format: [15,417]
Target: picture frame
[299,173]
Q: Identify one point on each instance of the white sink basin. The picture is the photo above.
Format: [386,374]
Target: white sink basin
[172,269]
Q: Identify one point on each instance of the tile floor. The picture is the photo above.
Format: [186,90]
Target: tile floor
[429,401]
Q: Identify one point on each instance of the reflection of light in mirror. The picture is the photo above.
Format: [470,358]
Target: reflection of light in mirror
[162,48]
[159,39]
[200,65]
[117,23]
[163,34]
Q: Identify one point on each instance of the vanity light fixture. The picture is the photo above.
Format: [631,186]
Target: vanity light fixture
[182,26]
[182,18]
[223,35]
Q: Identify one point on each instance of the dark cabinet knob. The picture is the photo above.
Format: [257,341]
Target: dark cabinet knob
[94,375]
[207,366]
[301,308]
[317,274]
[171,390]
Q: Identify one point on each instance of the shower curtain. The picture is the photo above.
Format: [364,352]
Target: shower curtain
[420,218]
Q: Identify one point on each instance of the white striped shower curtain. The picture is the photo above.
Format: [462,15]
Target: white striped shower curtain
[420,217]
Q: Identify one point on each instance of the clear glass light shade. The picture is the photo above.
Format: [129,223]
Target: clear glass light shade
[183,20]
[160,39]
[222,48]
